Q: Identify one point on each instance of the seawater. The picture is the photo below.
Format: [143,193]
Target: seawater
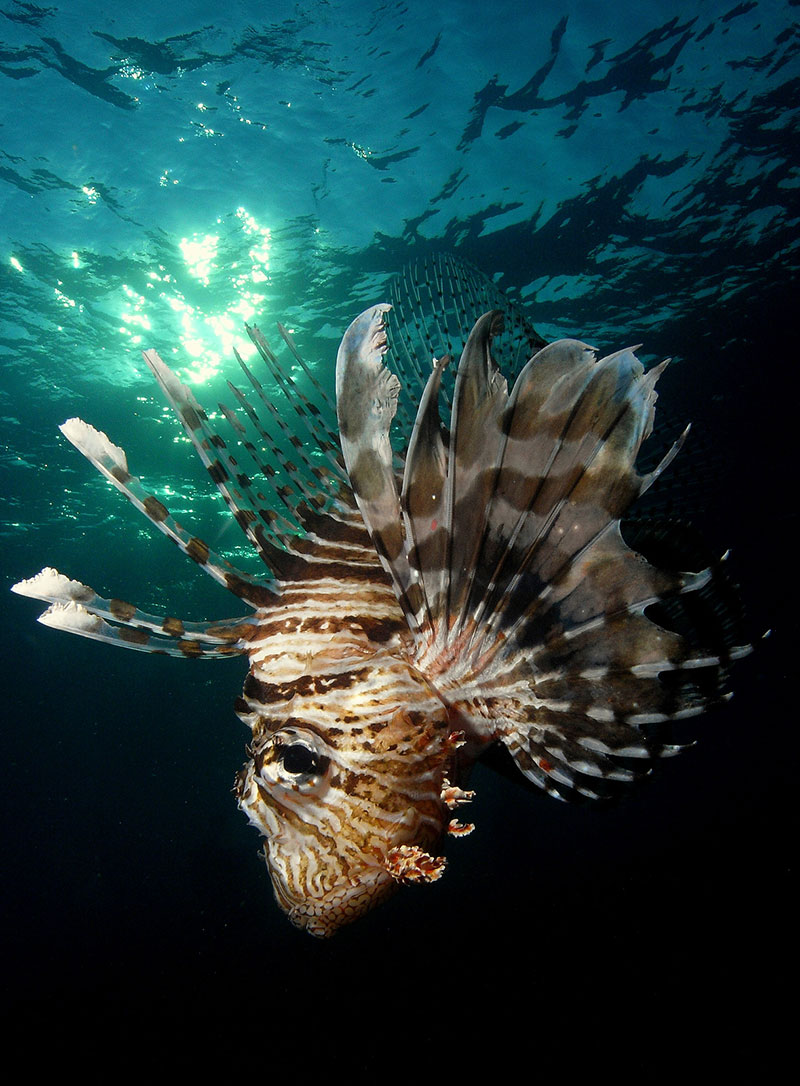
[625,172]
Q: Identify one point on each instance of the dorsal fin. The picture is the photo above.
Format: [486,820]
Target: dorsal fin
[476,442]
[366,402]
[423,499]
[531,612]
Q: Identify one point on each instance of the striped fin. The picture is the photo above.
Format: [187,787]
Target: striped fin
[533,482]
[434,304]
[261,524]
[423,498]
[318,512]
[476,442]
[557,651]
[77,608]
[111,461]
[316,421]
[366,402]
[573,429]
[295,482]
[532,614]
[319,434]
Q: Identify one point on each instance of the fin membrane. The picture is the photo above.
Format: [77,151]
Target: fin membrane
[501,533]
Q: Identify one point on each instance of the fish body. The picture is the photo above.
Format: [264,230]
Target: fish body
[431,589]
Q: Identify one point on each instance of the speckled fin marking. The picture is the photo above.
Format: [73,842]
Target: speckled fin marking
[293,498]
[111,461]
[76,608]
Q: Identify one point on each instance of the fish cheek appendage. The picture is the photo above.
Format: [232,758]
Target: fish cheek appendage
[446,571]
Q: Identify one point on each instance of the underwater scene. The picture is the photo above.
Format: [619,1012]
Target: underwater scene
[625,175]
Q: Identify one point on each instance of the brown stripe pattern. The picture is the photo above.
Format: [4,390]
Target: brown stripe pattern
[428,591]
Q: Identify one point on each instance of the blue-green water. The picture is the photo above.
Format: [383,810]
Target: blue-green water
[627,172]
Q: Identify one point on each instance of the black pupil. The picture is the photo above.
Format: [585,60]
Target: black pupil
[299,759]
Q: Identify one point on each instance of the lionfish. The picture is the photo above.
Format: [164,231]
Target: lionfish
[468,589]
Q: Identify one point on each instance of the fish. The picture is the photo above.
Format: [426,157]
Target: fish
[448,573]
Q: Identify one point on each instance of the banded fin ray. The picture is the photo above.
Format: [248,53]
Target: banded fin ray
[320,434]
[77,608]
[315,536]
[111,461]
[289,493]
[435,300]
[300,488]
[574,426]
[75,618]
[560,607]
[318,422]
[423,497]
[261,524]
[475,454]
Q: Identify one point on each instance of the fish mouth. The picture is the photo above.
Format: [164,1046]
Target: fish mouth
[341,905]
[368,883]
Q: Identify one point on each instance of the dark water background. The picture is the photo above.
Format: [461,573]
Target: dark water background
[628,173]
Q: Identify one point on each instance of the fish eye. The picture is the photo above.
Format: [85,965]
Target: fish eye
[300,760]
[293,760]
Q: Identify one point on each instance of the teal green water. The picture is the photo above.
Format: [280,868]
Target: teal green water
[627,173]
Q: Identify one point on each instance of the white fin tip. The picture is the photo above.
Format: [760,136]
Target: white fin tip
[49,584]
[75,619]
[94,444]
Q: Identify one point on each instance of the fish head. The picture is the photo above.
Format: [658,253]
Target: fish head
[345,824]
